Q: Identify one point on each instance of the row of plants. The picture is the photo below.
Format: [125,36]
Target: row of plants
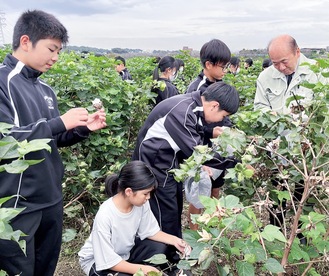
[233,232]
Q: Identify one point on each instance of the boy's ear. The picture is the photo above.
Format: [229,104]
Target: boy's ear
[25,42]
[207,64]
[215,105]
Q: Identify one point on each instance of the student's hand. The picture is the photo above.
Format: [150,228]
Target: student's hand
[183,247]
[75,117]
[97,120]
[208,170]
[217,131]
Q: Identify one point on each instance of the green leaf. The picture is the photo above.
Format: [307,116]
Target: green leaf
[186,264]
[6,214]
[22,245]
[3,273]
[68,235]
[245,268]
[273,266]
[242,223]
[272,232]
[210,204]
[254,248]
[157,259]
[34,145]
[139,273]
[230,202]
[312,216]
[4,199]
[250,258]
[8,148]
[5,128]
[19,166]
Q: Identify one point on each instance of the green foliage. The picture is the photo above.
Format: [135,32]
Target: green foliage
[192,67]
[291,150]
[4,51]
[12,160]
[233,234]
[78,80]
[6,231]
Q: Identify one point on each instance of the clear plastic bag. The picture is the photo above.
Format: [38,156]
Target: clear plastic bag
[194,189]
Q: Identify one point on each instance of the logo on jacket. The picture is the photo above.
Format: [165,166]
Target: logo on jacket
[50,102]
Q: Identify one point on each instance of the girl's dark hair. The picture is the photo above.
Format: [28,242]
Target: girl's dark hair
[38,25]
[179,63]
[235,61]
[164,63]
[135,175]
[216,52]
[226,95]
[249,61]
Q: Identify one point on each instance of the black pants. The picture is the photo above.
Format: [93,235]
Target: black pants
[141,251]
[167,207]
[43,242]
[278,218]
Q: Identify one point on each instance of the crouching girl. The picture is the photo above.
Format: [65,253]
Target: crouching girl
[125,231]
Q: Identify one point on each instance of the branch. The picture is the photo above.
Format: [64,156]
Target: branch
[322,165]
[284,158]
[294,227]
[75,199]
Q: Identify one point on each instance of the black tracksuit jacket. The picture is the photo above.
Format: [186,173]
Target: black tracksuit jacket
[201,83]
[31,106]
[169,134]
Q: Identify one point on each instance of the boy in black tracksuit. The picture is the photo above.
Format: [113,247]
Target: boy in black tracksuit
[174,128]
[30,106]
[214,55]
[120,67]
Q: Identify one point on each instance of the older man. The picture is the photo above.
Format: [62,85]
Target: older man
[282,80]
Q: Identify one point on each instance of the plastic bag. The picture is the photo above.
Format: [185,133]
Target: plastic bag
[194,189]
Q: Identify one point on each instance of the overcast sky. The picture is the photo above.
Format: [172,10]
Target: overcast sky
[172,24]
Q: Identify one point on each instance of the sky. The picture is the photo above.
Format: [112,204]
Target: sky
[172,24]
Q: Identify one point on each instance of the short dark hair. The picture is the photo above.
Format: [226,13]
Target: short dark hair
[235,61]
[266,63]
[216,52]
[135,175]
[120,59]
[38,25]
[249,61]
[226,95]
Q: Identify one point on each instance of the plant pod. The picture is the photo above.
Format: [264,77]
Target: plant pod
[204,255]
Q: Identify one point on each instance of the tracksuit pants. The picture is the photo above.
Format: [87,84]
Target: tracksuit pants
[43,242]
